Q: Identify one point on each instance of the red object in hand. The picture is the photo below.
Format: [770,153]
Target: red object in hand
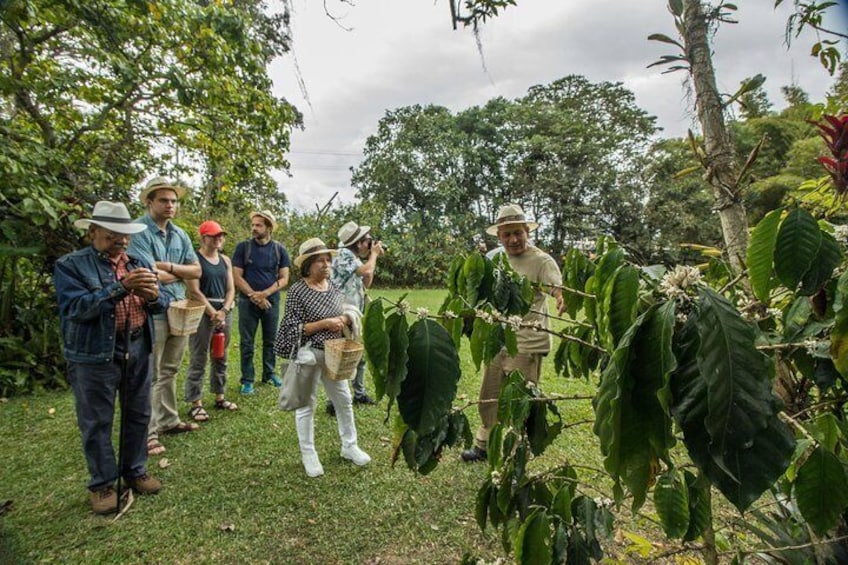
[218,344]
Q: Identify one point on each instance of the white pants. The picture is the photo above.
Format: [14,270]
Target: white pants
[339,394]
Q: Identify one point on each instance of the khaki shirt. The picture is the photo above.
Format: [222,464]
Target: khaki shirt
[538,267]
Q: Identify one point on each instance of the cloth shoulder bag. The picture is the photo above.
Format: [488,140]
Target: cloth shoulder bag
[297,380]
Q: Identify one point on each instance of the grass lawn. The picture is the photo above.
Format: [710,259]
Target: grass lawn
[235,492]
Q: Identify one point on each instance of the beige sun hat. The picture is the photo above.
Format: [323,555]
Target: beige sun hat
[267,215]
[112,216]
[352,232]
[310,247]
[158,183]
[510,214]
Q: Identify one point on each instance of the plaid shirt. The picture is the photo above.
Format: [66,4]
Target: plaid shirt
[131,306]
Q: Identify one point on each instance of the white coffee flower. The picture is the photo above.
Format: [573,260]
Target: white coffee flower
[514,321]
[422,313]
[403,307]
[675,283]
[841,233]
[496,477]
[449,315]
[485,316]
[811,345]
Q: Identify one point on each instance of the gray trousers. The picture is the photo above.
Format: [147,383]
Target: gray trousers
[198,347]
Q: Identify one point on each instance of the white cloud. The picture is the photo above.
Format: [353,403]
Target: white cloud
[405,52]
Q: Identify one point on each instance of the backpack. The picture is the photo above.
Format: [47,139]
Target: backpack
[278,251]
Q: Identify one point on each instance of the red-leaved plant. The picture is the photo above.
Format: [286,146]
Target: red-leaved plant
[834,131]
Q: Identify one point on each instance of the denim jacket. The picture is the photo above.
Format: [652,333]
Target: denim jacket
[87,291]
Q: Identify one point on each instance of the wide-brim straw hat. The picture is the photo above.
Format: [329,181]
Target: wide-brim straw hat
[113,216]
[310,247]
[158,183]
[510,214]
[266,215]
[352,232]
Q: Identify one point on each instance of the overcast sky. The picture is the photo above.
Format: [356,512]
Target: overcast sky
[403,52]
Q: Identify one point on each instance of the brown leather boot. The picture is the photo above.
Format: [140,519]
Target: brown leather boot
[104,500]
[144,484]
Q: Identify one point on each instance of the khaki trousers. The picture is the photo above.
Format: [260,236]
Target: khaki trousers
[530,365]
[167,356]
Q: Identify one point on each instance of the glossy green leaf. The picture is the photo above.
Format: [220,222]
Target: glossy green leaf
[481,506]
[700,511]
[796,247]
[479,337]
[533,545]
[761,252]
[621,297]
[744,472]
[821,490]
[474,270]
[737,376]
[432,375]
[671,499]
[376,342]
[396,328]
[821,271]
[632,420]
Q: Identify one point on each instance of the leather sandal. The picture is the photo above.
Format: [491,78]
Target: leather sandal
[181,428]
[198,414]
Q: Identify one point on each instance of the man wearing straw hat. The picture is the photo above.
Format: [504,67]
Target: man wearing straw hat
[106,298]
[169,249]
[260,271]
[513,231]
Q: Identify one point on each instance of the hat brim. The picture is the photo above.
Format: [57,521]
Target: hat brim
[214,234]
[493,229]
[298,261]
[363,231]
[126,229]
[265,216]
[145,193]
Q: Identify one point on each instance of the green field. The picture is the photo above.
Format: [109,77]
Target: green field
[235,492]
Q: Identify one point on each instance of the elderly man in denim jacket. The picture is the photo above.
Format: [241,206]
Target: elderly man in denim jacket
[106,301]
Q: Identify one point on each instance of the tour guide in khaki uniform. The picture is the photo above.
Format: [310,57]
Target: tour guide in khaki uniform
[513,231]
[106,300]
[169,248]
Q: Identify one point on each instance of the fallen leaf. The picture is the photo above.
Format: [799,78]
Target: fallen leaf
[384,439]
[227,527]
[51,412]
[164,463]
[3,400]
[311,521]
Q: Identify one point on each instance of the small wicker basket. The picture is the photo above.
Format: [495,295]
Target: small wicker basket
[341,356]
[184,316]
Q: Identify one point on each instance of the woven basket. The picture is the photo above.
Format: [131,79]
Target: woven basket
[341,356]
[184,316]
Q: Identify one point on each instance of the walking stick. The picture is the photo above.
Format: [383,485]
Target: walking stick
[122,394]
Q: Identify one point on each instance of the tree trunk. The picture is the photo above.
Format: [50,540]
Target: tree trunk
[721,171]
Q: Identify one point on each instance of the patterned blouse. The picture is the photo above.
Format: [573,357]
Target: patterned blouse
[305,305]
[345,278]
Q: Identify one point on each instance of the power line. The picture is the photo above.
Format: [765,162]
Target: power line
[326,153]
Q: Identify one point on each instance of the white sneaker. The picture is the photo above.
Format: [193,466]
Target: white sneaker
[312,464]
[356,455]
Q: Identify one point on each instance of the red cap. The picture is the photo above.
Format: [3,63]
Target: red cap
[211,227]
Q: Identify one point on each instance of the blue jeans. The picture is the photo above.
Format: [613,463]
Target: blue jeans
[359,380]
[95,388]
[250,317]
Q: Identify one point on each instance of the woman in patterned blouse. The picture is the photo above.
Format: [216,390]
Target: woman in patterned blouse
[314,314]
